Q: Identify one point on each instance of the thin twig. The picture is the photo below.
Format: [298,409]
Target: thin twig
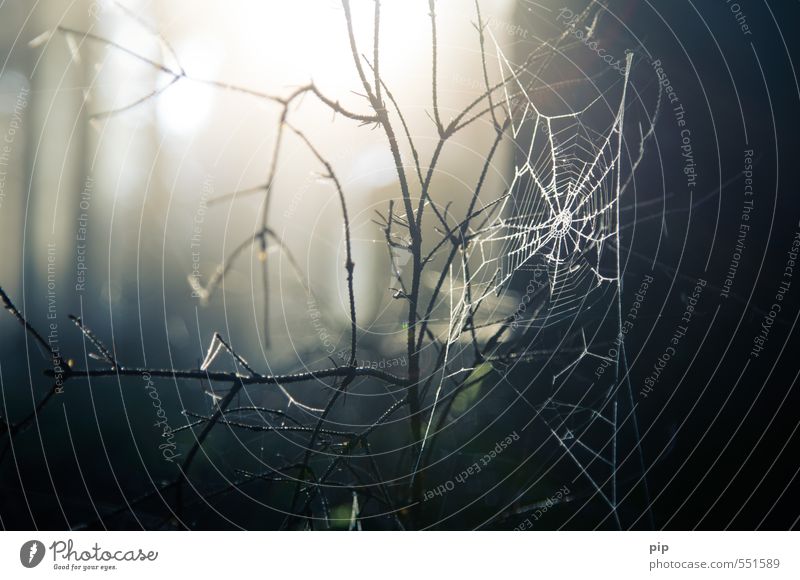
[349,265]
[101,348]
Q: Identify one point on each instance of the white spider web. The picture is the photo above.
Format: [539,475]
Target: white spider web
[560,212]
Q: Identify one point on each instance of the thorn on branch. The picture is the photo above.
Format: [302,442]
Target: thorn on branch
[104,352]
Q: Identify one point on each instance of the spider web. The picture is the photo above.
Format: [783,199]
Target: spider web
[559,214]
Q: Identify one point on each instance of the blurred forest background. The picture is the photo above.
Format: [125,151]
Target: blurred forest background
[145,177]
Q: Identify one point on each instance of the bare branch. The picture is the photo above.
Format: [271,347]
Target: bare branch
[349,265]
[101,348]
[197,374]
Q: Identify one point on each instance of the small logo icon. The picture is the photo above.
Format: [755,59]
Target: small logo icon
[31,553]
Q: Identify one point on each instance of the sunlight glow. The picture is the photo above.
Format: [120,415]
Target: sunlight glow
[185,106]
